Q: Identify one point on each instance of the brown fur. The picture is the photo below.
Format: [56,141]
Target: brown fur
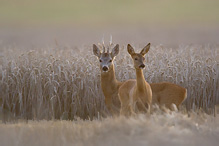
[110,86]
[166,94]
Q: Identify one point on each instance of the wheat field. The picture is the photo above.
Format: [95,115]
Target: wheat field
[52,96]
[64,82]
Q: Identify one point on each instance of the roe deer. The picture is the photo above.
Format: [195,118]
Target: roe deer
[109,83]
[136,92]
[166,94]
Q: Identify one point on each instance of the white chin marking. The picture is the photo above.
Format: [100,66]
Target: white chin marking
[105,71]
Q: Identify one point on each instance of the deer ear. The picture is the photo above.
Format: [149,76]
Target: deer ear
[96,50]
[145,49]
[130,49]
[115,51]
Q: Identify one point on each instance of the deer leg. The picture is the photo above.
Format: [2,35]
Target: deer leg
[125,110]
[143,107]
[108,103]
[173,107]
[132,111]
[133,108]
[110,107]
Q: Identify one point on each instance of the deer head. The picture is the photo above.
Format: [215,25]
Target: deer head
[138,58]
[106,58]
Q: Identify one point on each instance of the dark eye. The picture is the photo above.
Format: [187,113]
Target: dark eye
[136,58]
[110,60]
[100,60]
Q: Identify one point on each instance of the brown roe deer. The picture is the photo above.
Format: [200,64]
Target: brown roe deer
[136,93]
[109,83]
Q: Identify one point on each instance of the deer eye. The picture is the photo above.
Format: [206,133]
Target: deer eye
[110,60]
[136,58]
[100,60]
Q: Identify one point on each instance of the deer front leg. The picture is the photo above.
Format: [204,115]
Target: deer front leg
[125,107]
[125,110]
[109,105]
[133,107]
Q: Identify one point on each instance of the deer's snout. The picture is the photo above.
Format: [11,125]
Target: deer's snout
[105,68]
[142,66]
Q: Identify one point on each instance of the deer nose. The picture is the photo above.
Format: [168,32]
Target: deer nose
[105,68]
[142,66]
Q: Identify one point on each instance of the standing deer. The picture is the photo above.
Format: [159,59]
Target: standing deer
[136,92]
[109,83]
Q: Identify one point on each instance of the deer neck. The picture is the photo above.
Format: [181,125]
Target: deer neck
[109,78]
[140,80]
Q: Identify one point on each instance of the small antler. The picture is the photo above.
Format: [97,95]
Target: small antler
[111,40]
[103,44]
[110,43]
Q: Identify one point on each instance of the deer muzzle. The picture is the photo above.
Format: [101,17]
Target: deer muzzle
[142,66]
[105,68]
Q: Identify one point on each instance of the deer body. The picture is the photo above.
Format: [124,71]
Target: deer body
[136,92]
[166,94]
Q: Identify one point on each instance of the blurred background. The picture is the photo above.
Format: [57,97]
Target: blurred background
[31,23]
